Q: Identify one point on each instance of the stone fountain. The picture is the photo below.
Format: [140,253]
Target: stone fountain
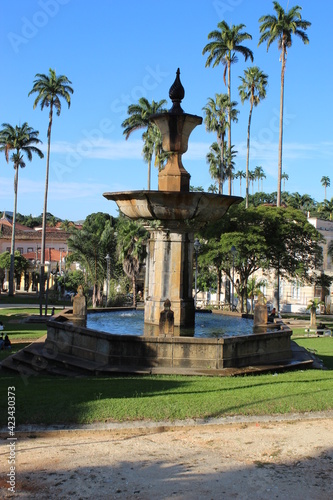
[172,214]
[179,212]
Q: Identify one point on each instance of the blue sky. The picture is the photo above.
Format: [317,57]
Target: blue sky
[115,52]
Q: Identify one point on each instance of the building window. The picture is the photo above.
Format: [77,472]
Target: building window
[296,290]
[20,249]
[30,249]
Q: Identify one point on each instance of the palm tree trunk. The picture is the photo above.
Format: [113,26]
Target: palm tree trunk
[229,124]
[219,281]
[248,156]
[149,174]
[222,166]
[12,247]
[134,290]
[278,201]
[42,264]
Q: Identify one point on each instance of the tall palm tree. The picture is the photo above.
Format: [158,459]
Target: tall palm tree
[138,118]
[281,28]
[230,154]
[259,175]
[252,88]
[20,139]
[326,182]
[252,178]
[240,175]
[226,43]
[216,113]
[131,243]
[50,90]
[284,177]
[217,168]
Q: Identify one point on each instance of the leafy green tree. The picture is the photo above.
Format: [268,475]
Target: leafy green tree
[21,264]
[258,199]
[281,28]
[265,238]
[253,89]
[90,245]
[71,280]
[226,43]
[326,182]
[50,90]
[131,246]
[138,118]
[21,140]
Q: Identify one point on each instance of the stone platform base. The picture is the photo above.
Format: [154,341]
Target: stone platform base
[112,351]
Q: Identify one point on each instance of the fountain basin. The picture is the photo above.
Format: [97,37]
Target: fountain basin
[172,205]
[131,322]
[106,352]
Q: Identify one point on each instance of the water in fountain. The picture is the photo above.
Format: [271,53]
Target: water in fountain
[206,325]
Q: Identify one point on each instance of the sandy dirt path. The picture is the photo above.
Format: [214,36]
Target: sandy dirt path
[263,459]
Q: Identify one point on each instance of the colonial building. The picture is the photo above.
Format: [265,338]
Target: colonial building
[294,296]
[28,242]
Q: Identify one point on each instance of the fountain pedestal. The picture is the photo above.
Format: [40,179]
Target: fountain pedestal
[169,276]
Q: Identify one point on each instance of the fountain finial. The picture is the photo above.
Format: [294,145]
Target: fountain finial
[176,94]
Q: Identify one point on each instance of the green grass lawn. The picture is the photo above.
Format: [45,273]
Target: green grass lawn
[16,327]
[55,400]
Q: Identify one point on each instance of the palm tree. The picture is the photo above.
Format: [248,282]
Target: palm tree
[259,175]
[89,246]
[280,28]
[216,112]
[139,119]
[302,202]
[285,178]
[20,139]
[252,88]
[253,289]
[131,241]
[226,43]
[240,175]
[217,168]
[212,189]
[326,182]
[50,90]
[326,209]
[252,178]
[230,154]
